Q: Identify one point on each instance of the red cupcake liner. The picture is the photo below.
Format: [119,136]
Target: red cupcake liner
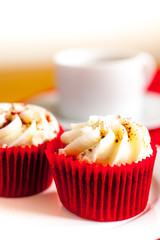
[25,171]
[102,193]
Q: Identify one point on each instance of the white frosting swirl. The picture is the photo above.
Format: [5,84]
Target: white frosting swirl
[108,140]
[26,124]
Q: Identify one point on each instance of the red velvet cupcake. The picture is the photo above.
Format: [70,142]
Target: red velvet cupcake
[25,131]
[104,168]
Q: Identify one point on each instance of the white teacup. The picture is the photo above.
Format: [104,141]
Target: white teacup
[102,81]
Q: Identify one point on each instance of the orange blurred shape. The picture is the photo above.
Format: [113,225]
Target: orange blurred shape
[20,84]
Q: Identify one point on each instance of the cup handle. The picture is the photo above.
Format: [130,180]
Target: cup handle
[149,67]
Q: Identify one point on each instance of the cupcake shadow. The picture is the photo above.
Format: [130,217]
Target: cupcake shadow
[46,203]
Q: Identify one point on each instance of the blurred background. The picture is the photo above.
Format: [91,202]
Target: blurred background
[31,32]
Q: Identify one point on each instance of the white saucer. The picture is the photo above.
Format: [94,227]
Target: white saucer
[150,111]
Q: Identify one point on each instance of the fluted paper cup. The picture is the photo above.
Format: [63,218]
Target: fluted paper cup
[102,193]
[25,171]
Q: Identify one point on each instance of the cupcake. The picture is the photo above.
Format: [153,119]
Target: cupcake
[104,167]
[25,131]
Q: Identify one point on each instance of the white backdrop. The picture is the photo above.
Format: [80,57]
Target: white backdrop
[30,31]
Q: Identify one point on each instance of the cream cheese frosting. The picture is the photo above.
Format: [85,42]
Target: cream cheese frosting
[112,139]
[26,124]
